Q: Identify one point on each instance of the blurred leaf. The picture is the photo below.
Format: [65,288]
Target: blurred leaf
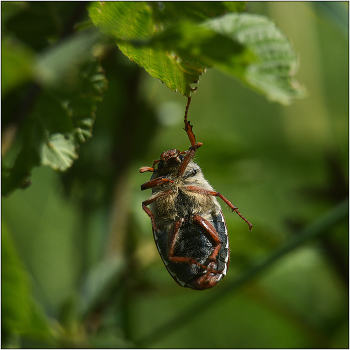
[81,100]
[8,10]
[19,313]
[58,152]
[16,64]
[40,24]
[99,281]
[15,289]
[61,121]
[109,340]
[60,63]
[277,63]
[336,11]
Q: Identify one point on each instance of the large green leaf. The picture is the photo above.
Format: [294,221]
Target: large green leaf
[176,42]
[126,21]
[130,21]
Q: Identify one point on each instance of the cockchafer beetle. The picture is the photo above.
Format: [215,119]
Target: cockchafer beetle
[188,225]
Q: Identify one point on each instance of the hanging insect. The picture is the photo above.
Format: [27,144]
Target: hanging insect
[188,225]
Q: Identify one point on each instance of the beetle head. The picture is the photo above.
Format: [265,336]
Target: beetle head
[169,161]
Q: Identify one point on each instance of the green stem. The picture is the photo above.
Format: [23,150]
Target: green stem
[316,228]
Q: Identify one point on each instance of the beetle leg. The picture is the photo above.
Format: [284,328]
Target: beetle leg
[194,146]
[149,201]
[210,232]
[155,182]
[188,129]
[188,126]
[217,194]
[147,168]
[172,238]
[155,162]
[188,157]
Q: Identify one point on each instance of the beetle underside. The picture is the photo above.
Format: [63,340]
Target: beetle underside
[177,223]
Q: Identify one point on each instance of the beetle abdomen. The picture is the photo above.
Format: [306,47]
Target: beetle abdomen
[192,242]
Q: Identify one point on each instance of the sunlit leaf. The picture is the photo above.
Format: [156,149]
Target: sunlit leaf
[277,63]
[176,42]
[126,21]
[133,20]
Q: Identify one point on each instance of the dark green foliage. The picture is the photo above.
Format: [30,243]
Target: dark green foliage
[79,118]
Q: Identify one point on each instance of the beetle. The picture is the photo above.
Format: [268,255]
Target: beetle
[188,226]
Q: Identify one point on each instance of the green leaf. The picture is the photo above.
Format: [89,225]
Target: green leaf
[19,313]
[172,12]
[133,20]
[176,42]
[60,63]
[71,83]
[81,100]
[273,73]
[123,20]
[58,152]
[99,281]
[15,286]
[249,47]
[128,21]
[10,9]
[61,121]
[41,24]
[201,45]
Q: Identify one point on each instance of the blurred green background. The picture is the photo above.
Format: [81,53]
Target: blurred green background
[87,244]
